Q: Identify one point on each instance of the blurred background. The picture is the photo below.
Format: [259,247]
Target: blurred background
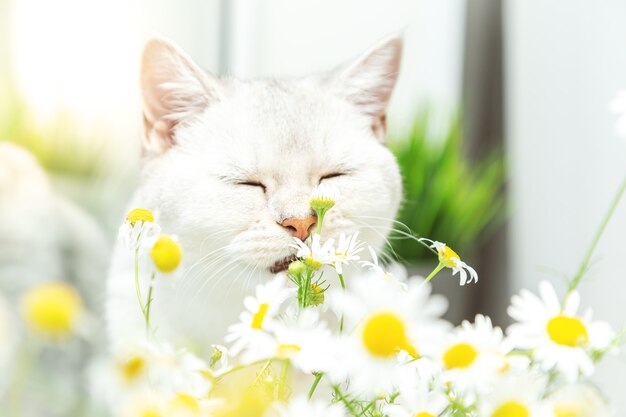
[500,122]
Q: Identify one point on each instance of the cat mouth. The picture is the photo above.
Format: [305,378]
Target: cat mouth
[282,264]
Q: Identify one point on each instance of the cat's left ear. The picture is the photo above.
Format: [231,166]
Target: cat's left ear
[369,81]
[174,89]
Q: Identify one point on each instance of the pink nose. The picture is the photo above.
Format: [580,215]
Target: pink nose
[300,228]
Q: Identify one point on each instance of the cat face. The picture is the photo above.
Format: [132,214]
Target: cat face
[230,163]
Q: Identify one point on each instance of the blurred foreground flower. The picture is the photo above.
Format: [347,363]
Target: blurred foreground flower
[166,254]
[300,407]
[516,394]
[53,309]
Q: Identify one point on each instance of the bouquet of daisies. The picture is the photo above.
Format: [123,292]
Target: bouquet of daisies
[319,341]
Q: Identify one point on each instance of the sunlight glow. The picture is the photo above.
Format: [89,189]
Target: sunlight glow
[76,58]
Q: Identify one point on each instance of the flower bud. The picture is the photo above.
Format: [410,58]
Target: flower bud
[323,198]
[296,268]
[315,296]
[166,254]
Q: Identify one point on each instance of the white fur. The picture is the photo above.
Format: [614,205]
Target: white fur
[205,135]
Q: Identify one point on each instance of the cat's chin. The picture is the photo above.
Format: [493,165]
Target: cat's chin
[282,264]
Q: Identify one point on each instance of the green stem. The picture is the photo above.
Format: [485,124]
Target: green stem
[343,283]
[137,287]
[435,272]
[345,401]
[343,286]
[318,378]
[239,368]
[262,371]
[370,405]
[306,287]
[148,304]
[585,263]
[282,390]
[320,221]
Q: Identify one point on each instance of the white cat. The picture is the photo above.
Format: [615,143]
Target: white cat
[228,168]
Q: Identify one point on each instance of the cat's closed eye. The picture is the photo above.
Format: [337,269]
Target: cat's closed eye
[331,175]
[253,184]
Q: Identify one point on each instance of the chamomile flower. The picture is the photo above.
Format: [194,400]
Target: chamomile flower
[305,341]
[132,367]
[323,198]
[302,407]
[143,404]
[157,368]
[450,259]
[375,266]
[316,254]
[558,337]
[579,400]
[417,397]
[473,354]
[381,321]
[515,394]
[138,225]
[251,333]
[53,309]
[347,251]
[184,405]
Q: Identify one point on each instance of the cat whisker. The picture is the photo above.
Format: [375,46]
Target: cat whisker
[230,264]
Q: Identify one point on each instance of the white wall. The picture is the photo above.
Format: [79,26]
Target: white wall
[82,60]
[565,62]
[287,37]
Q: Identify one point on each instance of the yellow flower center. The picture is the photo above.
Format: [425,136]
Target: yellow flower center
[151,412]
[296,267]
[567,331]
[567,409]
[166,254]
[316,295]
[140,215]
[52,309]
[312,263]
[184,402]
[133,368]
[460,355]
[511,409]
[287,350]
[424,414]
[384,335]
[448,257]
[259,316]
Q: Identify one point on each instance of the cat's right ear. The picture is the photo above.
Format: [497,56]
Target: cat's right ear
[173,89]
